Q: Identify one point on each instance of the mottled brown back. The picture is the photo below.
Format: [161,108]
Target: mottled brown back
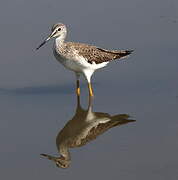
[96,54]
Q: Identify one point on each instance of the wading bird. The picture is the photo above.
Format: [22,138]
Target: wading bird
[79,57]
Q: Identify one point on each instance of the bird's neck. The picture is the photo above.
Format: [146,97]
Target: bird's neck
[64,151]
[59,41]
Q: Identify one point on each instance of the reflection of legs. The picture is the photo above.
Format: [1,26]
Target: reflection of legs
[90,89]
[77,84]
[78,88]
[90,101]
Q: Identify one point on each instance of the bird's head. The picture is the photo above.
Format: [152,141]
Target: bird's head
[57,30]
[59,161]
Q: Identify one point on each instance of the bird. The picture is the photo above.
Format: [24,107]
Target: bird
[83,59]
[84,127]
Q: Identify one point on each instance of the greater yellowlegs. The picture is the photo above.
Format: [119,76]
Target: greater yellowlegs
[84,127]
[81,58]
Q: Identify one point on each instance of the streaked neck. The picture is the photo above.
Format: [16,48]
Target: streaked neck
[60,40]
[64,151]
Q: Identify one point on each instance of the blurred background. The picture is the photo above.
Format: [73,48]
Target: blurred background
[37,94]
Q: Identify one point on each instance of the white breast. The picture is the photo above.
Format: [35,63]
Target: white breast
[77,63]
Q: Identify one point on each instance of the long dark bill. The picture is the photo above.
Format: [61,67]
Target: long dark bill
[41,45]
[44,42]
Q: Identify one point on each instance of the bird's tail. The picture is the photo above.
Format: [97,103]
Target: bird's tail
[122,119]
[118,53]
[122,53]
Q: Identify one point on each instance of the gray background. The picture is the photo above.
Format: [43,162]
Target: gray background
[37,94]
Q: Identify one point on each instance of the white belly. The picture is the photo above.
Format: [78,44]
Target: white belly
[78,63]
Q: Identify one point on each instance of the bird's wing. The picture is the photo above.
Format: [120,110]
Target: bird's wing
[96,54]
[95,131]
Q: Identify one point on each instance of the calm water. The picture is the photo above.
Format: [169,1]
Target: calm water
[37,96]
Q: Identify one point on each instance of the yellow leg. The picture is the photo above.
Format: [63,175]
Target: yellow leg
[78,88]
[90,90]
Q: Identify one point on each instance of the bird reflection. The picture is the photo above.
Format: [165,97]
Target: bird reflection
[84,127]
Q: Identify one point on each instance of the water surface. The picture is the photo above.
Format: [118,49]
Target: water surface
[37,95]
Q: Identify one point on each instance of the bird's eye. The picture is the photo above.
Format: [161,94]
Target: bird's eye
[59,29]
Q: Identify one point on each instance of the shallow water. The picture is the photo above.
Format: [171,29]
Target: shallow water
[37,95]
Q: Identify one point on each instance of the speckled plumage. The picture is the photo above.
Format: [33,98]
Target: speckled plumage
[92,53]
[79,57]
